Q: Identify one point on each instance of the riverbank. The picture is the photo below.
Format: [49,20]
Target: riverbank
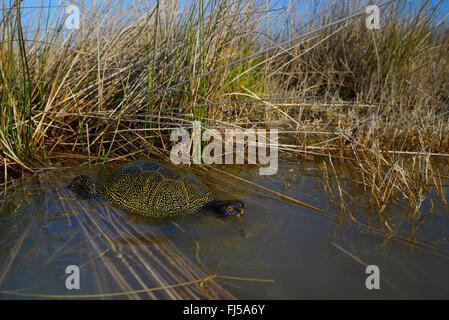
[335,90]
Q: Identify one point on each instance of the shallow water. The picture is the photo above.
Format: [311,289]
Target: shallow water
[277,250]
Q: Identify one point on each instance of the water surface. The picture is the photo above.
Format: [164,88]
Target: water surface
[277,250]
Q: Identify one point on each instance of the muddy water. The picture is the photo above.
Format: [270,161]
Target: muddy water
[277,250]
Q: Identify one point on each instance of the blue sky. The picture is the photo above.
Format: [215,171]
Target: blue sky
[31,12]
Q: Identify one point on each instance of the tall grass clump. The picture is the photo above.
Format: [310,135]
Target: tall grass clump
[116,87]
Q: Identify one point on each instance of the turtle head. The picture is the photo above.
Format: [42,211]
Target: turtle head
[230,207]
[84,186]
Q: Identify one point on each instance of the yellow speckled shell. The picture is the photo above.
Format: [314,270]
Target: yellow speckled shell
[152,189]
